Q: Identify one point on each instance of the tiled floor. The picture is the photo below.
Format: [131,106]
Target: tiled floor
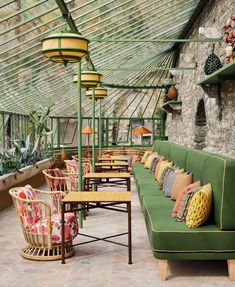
[101,264]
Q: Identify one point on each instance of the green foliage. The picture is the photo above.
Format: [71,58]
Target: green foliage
[39,120]
[28,152]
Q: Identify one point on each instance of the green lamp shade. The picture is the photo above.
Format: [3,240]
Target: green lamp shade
[65,47]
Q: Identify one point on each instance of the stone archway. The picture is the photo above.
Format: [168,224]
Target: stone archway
[200,126]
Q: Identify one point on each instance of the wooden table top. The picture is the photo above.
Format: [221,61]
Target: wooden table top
[112,158]
[97,196]
[107,175]
[120,157]
[111,164]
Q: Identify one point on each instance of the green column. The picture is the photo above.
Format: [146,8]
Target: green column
[3,131]
[130,131]
[100,131]
[107,132]
[153,131]
[58,132]
[93,133]
[79,129]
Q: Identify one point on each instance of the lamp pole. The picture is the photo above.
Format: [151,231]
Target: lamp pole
[93,132]
[100,131]
[79,129]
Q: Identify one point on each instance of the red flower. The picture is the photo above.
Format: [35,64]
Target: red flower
[233,18]
[22,195]
[227,26]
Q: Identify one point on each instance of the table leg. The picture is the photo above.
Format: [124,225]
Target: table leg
[129,233]
[62,232]
[128,184]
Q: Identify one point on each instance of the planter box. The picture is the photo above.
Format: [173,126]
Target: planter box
[29,174]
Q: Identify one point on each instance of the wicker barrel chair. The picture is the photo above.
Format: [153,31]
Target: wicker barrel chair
[40,219]
[72,169]
[57,180]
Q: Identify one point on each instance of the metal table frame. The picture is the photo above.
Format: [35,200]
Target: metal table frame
[117,178]
[98,204]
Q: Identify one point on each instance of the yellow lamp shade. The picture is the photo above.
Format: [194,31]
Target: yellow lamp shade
[100,93]
[65,47]
[89,79]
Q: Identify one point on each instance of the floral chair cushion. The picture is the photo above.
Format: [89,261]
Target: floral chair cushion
[70,227]
[28,213]
[56,184]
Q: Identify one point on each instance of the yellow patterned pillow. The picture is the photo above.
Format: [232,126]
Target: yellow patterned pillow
[162,167]
[149,160]
[200,207]
[147,152]
[179,171]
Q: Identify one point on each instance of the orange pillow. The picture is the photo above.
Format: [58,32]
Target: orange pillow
[136,158]
[181,181]
[181,194]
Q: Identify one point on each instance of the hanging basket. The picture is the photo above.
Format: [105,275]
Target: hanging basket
[172,93]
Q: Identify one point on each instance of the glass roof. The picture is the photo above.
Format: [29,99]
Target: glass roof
[128,46]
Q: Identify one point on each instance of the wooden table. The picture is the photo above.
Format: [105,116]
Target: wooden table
[102,199]
[98,177]
[107,166]
[114,158]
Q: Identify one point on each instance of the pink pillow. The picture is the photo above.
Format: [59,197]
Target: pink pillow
[136,158]
[181,181]
[181,194]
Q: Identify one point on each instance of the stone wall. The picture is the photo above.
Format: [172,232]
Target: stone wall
[219,128]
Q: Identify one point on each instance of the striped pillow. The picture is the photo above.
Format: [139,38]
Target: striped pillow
[181,195]
[169,183]
[184,205]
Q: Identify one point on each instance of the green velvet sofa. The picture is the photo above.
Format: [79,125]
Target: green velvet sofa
[174,240]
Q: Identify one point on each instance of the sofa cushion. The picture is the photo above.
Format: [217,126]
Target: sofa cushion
[178,155]
[165,149]
[149,160]
[181,195]
[146,154]
[169,183]
[180,182]
[219,171]
[70,227]
[167,235]
[153,164]
[184,204]
[200,207]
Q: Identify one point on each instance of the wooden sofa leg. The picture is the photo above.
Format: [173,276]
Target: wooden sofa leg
[231,269]
[163,269]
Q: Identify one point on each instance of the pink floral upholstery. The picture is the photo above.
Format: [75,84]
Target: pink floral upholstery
[70,227]
[58,182]
[29,214]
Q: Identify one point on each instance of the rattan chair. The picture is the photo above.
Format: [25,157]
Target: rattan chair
[57,180]
[72,169]
[40,219]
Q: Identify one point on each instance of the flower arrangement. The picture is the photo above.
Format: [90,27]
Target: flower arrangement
[229,38]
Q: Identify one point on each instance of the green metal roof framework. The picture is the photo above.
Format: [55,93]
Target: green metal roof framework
[133,44]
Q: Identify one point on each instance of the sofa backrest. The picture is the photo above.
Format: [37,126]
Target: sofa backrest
[208,167]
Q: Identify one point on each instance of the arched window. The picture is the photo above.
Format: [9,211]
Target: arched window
[200,126]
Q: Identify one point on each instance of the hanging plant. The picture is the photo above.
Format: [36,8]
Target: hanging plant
[229,38]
